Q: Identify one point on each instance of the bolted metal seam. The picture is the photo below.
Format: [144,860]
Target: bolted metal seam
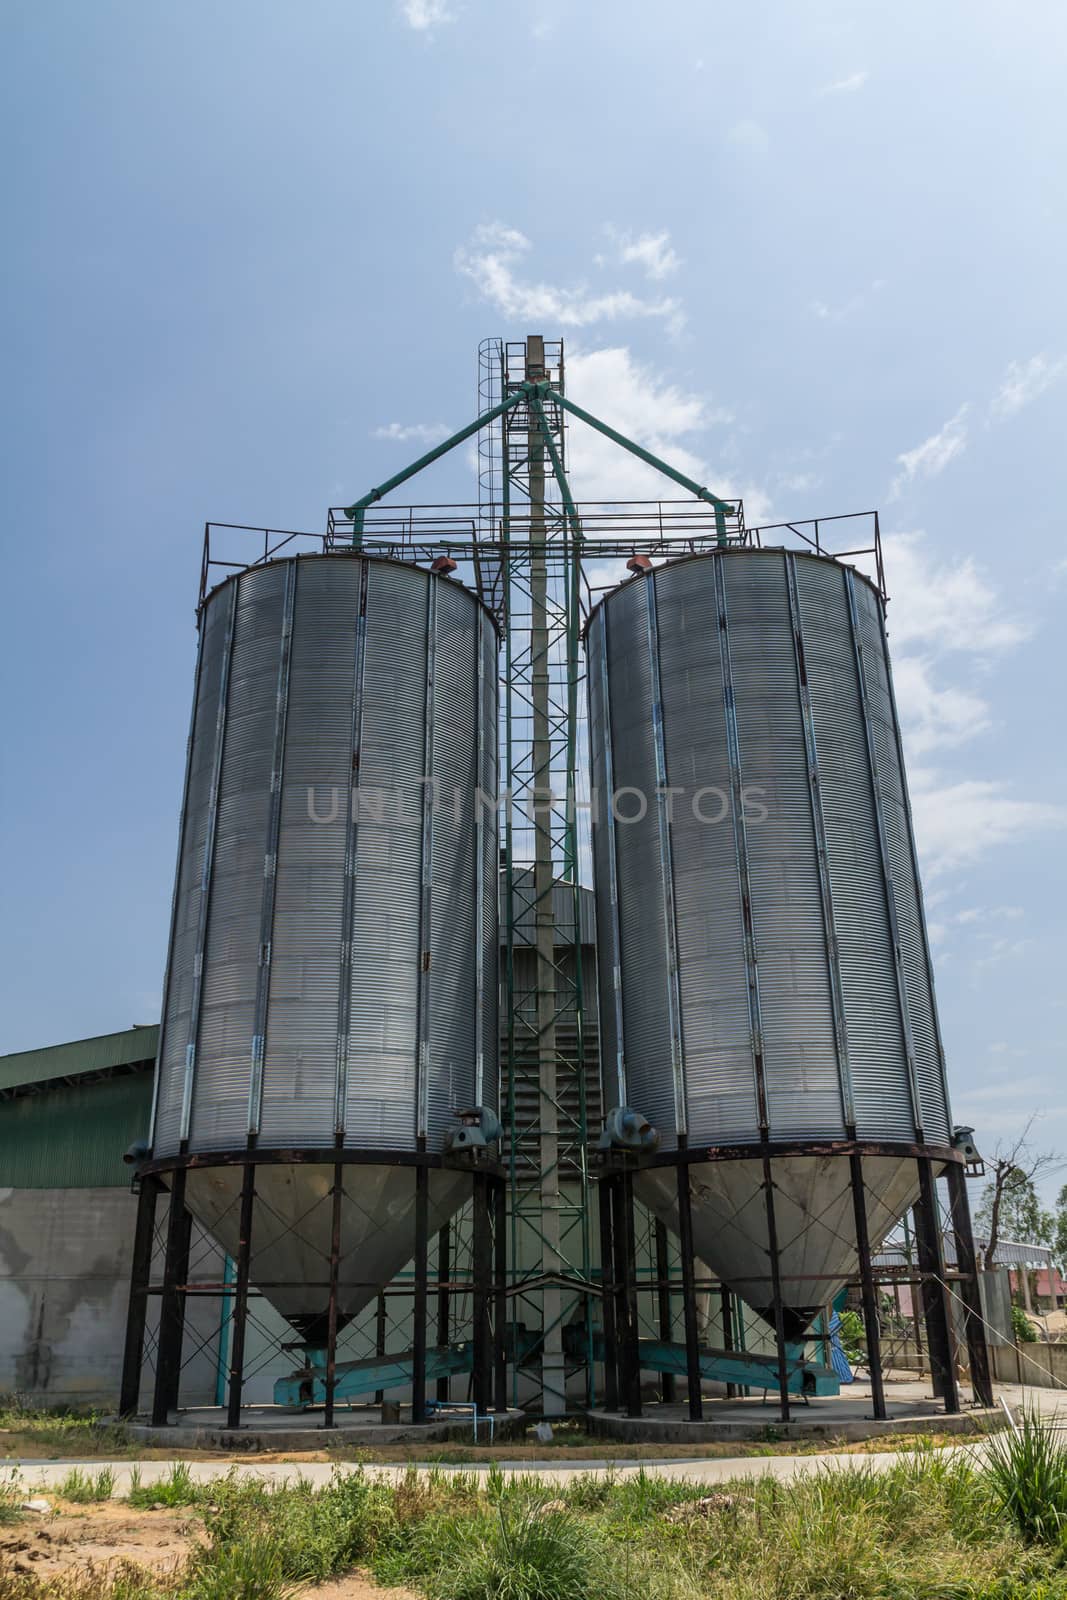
[819,826]
[270,855]
[666,862]
[883,852]
[741,848]
[348,900]
[943,1073]
[615,967]
[206,871]
[422,1025]
[183,817]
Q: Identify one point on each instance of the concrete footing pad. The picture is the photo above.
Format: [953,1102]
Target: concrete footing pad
[845,1417]
[274,1428]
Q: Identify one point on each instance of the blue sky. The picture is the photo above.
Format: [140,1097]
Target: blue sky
[814,253]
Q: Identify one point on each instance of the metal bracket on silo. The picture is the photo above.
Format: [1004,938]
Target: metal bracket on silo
[615,951]
[348,900]
[666,861]
[207,867]
[429,795]
[270,854]
[733,745]
[818,821]
[883,853]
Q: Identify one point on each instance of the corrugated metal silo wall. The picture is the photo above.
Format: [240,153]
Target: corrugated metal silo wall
[328,955]
[763,677]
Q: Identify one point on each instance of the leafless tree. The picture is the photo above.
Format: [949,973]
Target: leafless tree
[1013,1172]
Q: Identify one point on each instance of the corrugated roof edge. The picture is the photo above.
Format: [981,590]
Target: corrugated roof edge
[80,1056]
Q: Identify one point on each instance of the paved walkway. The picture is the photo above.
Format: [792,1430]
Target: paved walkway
[40,1475]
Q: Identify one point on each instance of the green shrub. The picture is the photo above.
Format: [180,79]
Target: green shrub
[1026,1468]
[532,1553]
[852,1335]
[1022,1327]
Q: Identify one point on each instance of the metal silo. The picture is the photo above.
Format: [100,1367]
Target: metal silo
[766,993]
[331,988]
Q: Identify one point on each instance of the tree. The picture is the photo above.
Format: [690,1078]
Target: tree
[1010,1207]
[1059,1242]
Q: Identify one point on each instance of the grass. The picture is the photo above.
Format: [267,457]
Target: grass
[933,1526]
[82,1488]
[178,1489]
[1028,1474]
[10,1496]
[34,1430]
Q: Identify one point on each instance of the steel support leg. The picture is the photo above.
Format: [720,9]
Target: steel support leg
[500,1294]
[631,1384]
[444,1274]
[935,1300]
[335,1270]
[379,1341]
[689,1294]
[172,1306]
[776,1289]
[418,1343]
[867,1286]
[608,1290]
[482,1272]
[663,1298]
[969,1291]
[140,1274]
[242,1263]
[726,1301]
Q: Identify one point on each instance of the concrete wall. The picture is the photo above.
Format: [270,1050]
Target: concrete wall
[64,1291]
[64,1284]
[1042,1366]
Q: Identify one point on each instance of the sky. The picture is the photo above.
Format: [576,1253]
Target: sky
[812,254]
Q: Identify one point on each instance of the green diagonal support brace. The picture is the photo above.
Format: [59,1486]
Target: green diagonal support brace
[557,468]
[720,507]
[358,507]
[535,393]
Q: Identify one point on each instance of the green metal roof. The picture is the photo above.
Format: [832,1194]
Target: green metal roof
[73,1136]
[82,1056]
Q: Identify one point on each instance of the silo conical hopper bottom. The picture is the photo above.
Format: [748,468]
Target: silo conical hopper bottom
[292,1224]
[814,1216]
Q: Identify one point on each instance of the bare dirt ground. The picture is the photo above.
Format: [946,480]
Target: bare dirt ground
[97,1536]
[357,1586]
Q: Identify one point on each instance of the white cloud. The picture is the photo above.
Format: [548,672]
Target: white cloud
[975,914]
[490,260]
[934,454]
[404,432]
[848,85]
[800,482]
[1024,381]
[425,15]
[652,252]
[749,135]
[944,604]
[828,313]
[956,823]
[655,413]
[935,717]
